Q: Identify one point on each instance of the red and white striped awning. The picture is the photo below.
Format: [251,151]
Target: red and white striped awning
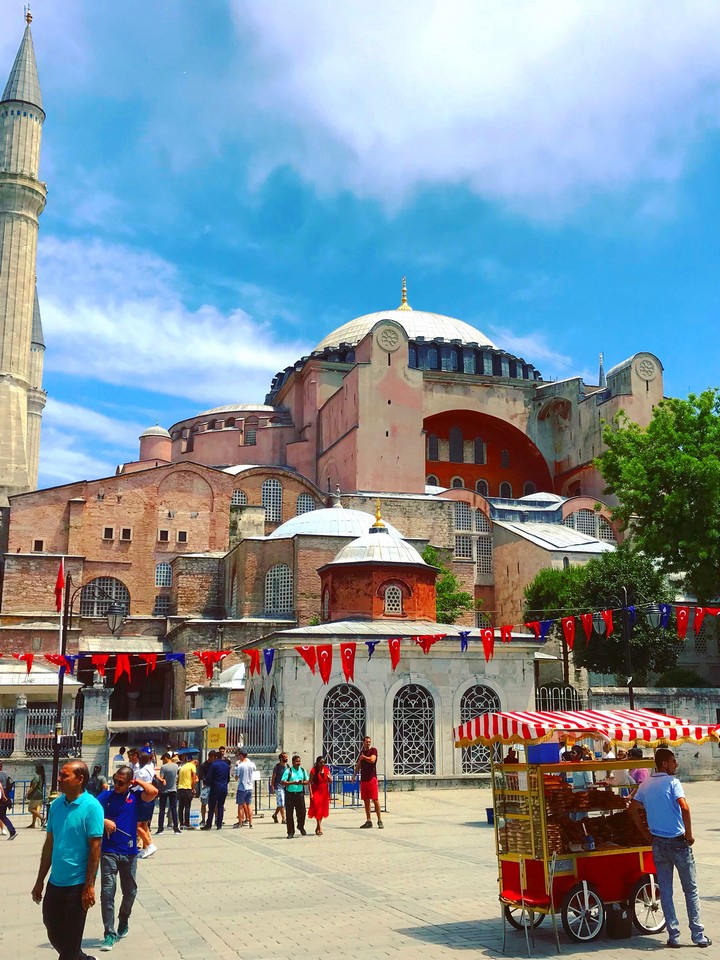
[620,726]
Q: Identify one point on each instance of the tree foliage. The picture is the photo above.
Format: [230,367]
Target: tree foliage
[598,585]
[681,677]
[667,479]
[450,600]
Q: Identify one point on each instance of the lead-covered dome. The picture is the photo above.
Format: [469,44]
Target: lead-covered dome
[330,522]
[378,546]
[417,323]
[155,431]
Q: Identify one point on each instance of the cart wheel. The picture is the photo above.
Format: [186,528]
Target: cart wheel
[647,911]
[583,912]
[520,918]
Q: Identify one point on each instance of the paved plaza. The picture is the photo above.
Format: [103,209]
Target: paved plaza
[425,887]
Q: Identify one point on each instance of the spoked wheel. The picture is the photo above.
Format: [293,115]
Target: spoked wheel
[520,917]
[583,912]
[647,911]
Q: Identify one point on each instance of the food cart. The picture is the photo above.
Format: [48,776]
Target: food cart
[569,848]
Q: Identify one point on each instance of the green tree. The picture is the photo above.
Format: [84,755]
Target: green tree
[681,677]
[667,479]
[450,600]
[598,585]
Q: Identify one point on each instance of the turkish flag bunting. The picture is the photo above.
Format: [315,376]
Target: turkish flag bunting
[60,585]
[534,625]
[568,627]
[309,655]
[487,635]
[682,615]
[506,632]
[122,665]
[587,623]
[58,660]
[347,653]
[268,657]
[150,660]
[698,619]
[254,656]
[210,658]
[712,611]
[394,648]
[27,657]
[324,656]
[99,661]
[607,617]
[426,642]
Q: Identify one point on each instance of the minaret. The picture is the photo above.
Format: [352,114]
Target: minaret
[22,200]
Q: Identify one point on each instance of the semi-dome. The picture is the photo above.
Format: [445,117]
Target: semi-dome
[378,546]
[417,323]
[156,431]
[330,522]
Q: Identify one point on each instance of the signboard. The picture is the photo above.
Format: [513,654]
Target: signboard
[94,737]
[216,737]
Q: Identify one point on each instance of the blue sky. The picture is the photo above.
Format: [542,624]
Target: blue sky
[228,181]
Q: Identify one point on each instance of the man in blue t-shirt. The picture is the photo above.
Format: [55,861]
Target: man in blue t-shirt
[119,849]
[670,833]
[71,853]
[218,778]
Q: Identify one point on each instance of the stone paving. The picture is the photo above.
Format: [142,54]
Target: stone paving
[425,887]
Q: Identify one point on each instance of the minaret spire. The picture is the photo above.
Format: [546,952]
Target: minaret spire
[404,305]
[23,84]
[601,375]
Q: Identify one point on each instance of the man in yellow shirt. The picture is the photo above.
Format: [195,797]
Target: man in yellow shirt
[187,778]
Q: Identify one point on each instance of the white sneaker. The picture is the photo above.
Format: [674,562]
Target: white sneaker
[148,851]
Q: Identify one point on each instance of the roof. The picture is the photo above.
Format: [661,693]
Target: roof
[36,336]
[156,726]
[330,522]
[378,546]
[14,678]
[156,431]
[416,323]
[556,536]
[382,627]
[125,644]
[240,408]
[23,83]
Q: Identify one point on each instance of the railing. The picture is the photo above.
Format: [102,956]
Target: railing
[557,697]
[41,732]
[254,728]
[7,731]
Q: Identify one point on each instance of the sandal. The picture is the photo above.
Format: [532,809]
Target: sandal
[318,832]
[274,818]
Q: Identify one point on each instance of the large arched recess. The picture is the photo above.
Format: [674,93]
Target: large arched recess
[525,462]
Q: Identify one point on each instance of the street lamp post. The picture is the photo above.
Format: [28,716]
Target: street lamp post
[627,629]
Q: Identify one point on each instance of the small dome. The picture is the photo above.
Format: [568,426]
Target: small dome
[330,522]
[380,547]
[416,323]
[156,431]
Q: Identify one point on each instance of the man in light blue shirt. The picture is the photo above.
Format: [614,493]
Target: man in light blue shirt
[670,833]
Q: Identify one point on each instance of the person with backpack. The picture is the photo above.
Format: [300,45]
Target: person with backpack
[35,796]
[4,804]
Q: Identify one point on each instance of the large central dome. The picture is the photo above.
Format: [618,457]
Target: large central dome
[417,323]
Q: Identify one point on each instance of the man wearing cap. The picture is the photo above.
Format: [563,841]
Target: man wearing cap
[245,773]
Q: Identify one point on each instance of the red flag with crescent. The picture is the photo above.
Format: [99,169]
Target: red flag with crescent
[210,658]
[59,661]
[150,660]
[122,665]
[682,615]
[568,627]
[487,635]
[27,658]
[698,619]
[394,648]
[534,625]
[347,653]
[99,662]
[607,617]
[309,655]
[324,659]
[587,622]
[254,666]
[425,642]
[506,632]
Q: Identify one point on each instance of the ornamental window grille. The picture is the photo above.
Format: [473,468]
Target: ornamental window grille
[251,700]
[432,447]
[479,450]
[413,731]
[569,521]
[469,365]
[279,589]
[475,701]
[233,596]
[529,488]
[484,555]
[304,504]
[100,594]
[238,498]
[482,524]
[344,724]
[162,605]
[393,600]
[432,359]
[585,522]
[701,639]
[163,575]
[251,425]
[273,698]
[605,531]
[482,487]
[449,359]
[457,483]
[505,491]
[432,481]
[455,439]
[505,459]
[463,516]
[463,547]
[272,497]
[326,604]
[261,700]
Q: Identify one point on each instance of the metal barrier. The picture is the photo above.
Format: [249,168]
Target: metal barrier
[40,735]
[344,789]
[7,731]
[254,728]
[19,798]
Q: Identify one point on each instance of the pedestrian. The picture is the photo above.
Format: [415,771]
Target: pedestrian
[320,780]
[295,779]
[218,778]
[204,785]
[144,772]
[97,782]
[245,771]
[669,830]
[187,778]
[222,756]
[4,819]
[277,788]
[71,853]
[35,796]
[638,773]
[366,766]
[168,793]
[7,785]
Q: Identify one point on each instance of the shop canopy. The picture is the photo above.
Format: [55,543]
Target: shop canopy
[619,726]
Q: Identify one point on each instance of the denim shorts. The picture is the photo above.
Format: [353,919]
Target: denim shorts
[243,796]
[280,796]
[204,794]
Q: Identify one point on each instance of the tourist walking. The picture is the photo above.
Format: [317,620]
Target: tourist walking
[187,778]
[118,857]
[71,853]
[320,780]
[97,782]
[277,788]
[168,793]
[218,778]
[295,779]
[245,771]
[669,830]
[366,766]
[35,796]
[4,819]
[144,772]
[204,785]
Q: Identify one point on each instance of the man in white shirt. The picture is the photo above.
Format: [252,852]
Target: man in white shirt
[245,773]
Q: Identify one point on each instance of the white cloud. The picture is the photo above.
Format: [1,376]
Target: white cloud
[537,103]
[535,348]
[62,459]
[108,430]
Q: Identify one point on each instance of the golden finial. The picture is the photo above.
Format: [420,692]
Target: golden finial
[404,305]
[378,519]
[28,15]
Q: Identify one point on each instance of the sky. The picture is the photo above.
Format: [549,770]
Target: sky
[229,181]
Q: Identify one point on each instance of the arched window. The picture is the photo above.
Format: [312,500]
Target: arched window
[326,604]
[413,731]
[463,516]
[457,483]
[272,497]
[585,522]
[304,504]
[449,359]
[251,700]
[529,488]
[344,724]
[238,498]
[432,447]
[432,359]
[606,531]
[482,524]
[163,575]
[102,593]
[566,563]
[505,459]
[251,425]
[476,700]
[211,425]
[230,422]
[506,491]
[261,700]
[279,589]
[482,488]
[456,445]
[432,481]
[273,699]
[393,600]
[479,450]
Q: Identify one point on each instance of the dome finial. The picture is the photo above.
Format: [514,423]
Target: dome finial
[378,525]
[404,305]
[28,15]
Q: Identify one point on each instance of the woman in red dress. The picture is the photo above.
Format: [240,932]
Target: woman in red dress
[320,780]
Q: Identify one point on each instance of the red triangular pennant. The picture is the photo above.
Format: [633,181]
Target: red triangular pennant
[58,660]
[27,658]
[254,666]
[698,619]
[587,622]
[568,627]
[210,658]
[534,625]
[122,665]
[487,635]
[506,632]
[347,653]
[60,585]
[150,660]
[607,617]
[309,655]
[425,642]
[682,615]
[324,658]
[394,648]
[99,662]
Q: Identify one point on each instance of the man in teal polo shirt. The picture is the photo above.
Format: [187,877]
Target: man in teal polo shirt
[71,853]
[295,779]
